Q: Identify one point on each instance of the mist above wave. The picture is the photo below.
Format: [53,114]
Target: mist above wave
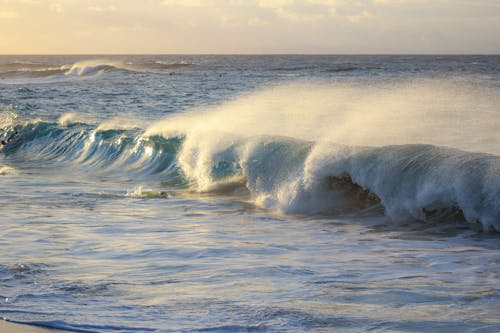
[439,112]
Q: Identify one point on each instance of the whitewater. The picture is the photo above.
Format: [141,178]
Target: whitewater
[250,193]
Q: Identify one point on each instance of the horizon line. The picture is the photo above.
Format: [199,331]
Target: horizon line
[250,54]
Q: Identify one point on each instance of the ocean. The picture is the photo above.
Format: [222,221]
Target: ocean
[280,193]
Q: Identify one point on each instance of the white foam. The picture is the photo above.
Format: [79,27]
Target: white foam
[7,170]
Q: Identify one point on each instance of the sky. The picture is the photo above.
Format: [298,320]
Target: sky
[249,26]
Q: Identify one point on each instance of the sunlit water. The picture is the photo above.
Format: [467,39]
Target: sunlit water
[251,193]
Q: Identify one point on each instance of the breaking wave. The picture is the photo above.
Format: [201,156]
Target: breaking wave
[303,150]
[408,182]
[411,182]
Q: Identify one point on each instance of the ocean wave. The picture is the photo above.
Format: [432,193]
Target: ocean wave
[87,146]
[10,72]
[19,72]
[87,68]
[306,149]
[409,182]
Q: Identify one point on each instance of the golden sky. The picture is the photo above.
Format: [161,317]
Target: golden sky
[249,26]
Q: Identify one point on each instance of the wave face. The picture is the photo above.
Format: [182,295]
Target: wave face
[99,150]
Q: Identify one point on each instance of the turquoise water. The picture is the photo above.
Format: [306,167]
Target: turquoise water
[250,193]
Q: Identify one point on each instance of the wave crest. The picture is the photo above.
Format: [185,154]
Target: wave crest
[411,182]
[408,182]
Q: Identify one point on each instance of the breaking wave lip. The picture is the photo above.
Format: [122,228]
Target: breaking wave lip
[409,182]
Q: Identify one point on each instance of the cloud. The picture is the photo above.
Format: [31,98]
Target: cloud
[253,26]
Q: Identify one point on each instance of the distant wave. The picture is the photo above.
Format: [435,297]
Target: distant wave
[328,68]
[86,68]
[29,72]
[408,182]
[90,67]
